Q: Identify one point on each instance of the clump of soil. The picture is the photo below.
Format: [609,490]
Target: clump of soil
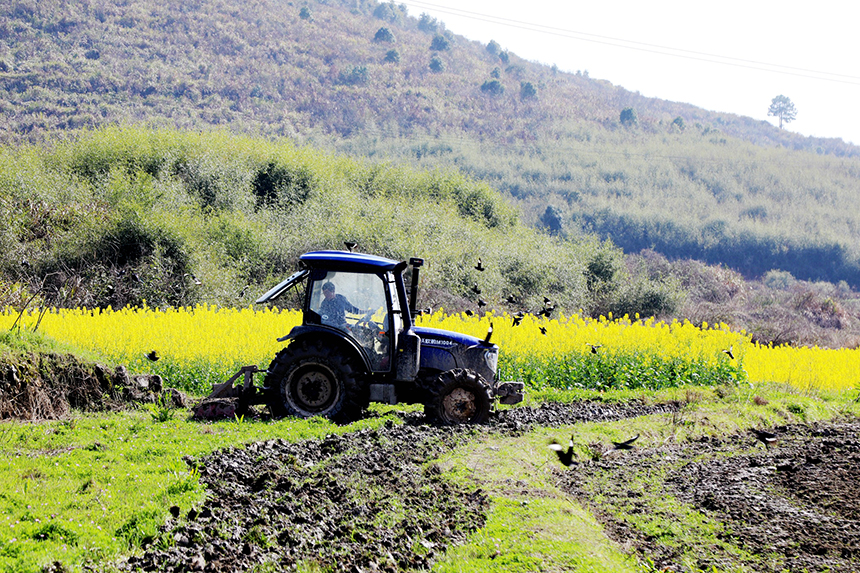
[793,506]
[47,386]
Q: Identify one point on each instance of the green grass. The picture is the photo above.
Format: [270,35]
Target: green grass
[532,525]
[93,487]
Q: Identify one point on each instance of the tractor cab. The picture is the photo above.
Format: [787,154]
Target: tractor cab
[361,300]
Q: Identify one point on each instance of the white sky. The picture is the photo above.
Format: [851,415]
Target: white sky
[767,48]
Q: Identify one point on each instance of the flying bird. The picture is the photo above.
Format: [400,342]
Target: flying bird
[153,356]
[729,352]
[543,330]
[350,245]
[480,266]
[625,445]
[594,348]
[468,312]
[512,299]
[766,438]
[546,300]
[517,320]
[25,263]
[482,302]
[476,289]
[565,457]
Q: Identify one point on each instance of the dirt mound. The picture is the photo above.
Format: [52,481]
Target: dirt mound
[48,386]
[794,506]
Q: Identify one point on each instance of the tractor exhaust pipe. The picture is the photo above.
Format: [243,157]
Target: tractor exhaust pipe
[416,264]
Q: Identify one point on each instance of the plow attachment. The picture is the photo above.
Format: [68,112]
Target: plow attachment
[230,399]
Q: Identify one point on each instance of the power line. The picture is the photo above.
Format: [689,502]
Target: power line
[643,46]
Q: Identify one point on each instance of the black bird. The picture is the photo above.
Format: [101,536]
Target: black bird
[153,356]
[350,245]
[729,352]
[594,348]
[25,263]
[546,300]
[468,312]
[625,445]
[517,320]
[543,330]
[565,457]
[480,266]
[547,312]
[475,289]
[512,299]
[766,438]
[482,302]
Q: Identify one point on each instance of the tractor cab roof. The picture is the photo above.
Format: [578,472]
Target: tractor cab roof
[349,262]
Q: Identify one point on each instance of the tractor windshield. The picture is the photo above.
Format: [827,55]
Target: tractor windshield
[356,304]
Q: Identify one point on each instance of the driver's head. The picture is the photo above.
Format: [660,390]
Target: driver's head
[328,289]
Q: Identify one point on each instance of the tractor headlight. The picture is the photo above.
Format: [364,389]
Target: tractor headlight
[491,357]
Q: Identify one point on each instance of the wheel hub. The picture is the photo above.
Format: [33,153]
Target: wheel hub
[314,389]
[459,406]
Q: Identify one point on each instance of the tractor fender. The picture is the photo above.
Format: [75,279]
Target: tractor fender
[331,337]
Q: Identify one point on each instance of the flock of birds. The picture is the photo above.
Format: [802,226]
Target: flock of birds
[546,311]
[566,457]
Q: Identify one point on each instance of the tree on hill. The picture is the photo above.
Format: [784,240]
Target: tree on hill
[427,23]
[437,65]
[440,43]
[781,107]
[493,87]
[527,90]
[392,56]
[384,35]
[628,117]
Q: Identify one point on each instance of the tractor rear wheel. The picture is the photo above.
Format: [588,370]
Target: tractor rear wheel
[309,378]
[459,397]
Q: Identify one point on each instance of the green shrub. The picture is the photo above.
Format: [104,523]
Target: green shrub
[437,65]
[493,87]
[440,43]
[393,57]
[384,35]
[629,117]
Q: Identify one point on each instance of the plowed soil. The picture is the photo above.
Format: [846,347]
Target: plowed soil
[374,499]
[792,506]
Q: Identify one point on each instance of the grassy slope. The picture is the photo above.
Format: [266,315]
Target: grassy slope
[264,68]
[119,216]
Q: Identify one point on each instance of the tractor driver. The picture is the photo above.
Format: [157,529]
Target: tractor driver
[334,307]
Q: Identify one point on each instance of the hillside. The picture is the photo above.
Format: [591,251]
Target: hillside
[370,79]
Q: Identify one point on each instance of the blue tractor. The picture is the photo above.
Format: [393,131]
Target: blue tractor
[358,344]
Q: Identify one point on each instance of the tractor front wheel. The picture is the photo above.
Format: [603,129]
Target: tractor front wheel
[458,397]
[308,378]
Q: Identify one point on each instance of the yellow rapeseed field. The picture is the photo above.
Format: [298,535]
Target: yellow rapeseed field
[202,345]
